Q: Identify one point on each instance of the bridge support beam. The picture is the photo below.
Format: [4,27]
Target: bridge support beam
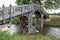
[31,28]
[39,22]
[42,20]
[3,13]
[29,21]
[10,15]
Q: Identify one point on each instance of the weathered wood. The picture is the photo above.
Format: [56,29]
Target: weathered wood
[42,20]
[16,11]
[21,9]
[30,21]
[30,18]
[10,15]
[3,13]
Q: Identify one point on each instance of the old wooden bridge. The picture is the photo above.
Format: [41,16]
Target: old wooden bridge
[24,12]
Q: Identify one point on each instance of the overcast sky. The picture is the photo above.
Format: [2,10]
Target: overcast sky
[8,2]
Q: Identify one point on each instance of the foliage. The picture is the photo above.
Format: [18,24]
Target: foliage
[49,4]
[4,36]
[27,1]
[33,20]
[22,2]
[26,37]
[15,21]
[52,4]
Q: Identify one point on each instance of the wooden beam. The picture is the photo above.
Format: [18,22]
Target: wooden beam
[10,15]
[30,20]
[3,13]
[42,20]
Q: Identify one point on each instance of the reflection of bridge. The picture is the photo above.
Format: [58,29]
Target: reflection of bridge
[23,11]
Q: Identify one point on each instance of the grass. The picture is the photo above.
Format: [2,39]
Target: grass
[55,21]
[18,36]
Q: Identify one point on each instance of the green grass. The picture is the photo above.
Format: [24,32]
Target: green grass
[54,15]
[55,21]
[18,36]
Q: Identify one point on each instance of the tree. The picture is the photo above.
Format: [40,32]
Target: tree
[57,3]
[48,4]
[27,1]
[52,4]
[22,2]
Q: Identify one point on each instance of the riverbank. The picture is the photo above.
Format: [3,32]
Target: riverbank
[54,22]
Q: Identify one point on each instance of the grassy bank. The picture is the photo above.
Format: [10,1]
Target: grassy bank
[17,36]
[55,21]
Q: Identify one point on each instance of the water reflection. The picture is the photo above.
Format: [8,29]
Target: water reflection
[52,31]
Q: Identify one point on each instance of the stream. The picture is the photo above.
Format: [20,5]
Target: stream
[52,31]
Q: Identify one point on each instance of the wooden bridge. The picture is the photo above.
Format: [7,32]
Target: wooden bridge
[23,11]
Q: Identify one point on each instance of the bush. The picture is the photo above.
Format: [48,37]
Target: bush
[15,21]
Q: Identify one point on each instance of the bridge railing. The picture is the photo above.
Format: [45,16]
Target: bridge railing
[6,12]
[36,6]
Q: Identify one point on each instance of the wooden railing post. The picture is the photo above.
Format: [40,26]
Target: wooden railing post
[10,15]
[3,13]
